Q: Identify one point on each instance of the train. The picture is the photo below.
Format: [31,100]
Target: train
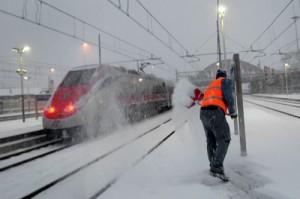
[93,99]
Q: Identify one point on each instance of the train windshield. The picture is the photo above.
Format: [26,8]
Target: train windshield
[80,77]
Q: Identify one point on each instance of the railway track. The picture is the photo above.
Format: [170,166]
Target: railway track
[20,149]
[290,107]
[282,101]
[278,98]
[101,157]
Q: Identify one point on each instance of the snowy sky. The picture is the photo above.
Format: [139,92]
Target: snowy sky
[192,22]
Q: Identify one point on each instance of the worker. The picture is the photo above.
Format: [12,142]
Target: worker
[216,103]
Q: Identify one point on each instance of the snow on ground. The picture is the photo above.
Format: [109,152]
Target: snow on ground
[16,127]
[22,180]
[17,114]
[179,168]
[290,96]
[290,108]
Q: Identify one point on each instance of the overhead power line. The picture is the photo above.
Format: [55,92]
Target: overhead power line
[278,36]
[163,27]
[274,20]
[126,13]
[236,42]
[205,42]
[95,27]
[63,33]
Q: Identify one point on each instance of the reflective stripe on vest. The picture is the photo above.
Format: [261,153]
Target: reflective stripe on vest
[213,95]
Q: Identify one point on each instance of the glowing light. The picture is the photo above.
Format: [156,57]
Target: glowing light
[51,70]
[70,108]
[51,109]
[85,47]
[26,49]
[221,10]
[26,78]
[140,79]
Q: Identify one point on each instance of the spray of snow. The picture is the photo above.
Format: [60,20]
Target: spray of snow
[103,112]
[181,116]
[181,100]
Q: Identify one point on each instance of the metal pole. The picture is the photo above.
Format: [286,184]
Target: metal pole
[223,37]
[22,85]
[296,31]
[240,105]
[236,126]
[286,80]
[99,40]
[218,37]
[36,108]
[232,75]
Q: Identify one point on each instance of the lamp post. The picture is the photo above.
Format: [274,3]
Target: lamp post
[221,10]
[286,66]
[50,80]
[218,36]
[21,71]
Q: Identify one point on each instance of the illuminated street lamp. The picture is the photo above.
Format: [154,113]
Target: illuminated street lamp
[21,71]
[221,11]
[286,67]
[86,49]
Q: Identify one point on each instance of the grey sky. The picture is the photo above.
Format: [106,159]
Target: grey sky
[190,21]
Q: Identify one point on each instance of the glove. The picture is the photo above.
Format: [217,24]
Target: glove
[233,115]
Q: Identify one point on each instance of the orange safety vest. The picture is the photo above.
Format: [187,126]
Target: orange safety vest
[213,95]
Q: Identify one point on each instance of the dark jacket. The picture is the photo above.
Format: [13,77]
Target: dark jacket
[227,88]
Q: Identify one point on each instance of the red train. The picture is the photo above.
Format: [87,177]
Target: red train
[93,99]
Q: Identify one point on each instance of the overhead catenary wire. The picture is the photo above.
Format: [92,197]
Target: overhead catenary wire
[64,33]
[269,26]
[236,42]
[274,40]
[151,54]
[162,26]
[273,21]
[287,45]
[206,41]
[147,30]
[95,27]
[279,35]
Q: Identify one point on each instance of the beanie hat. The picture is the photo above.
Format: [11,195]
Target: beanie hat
[221,73]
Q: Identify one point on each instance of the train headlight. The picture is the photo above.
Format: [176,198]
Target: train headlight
[70,109]
[51,110]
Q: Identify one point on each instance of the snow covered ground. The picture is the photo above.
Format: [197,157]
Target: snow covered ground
[179,168]
[176,169]
[15,127]
[290,96]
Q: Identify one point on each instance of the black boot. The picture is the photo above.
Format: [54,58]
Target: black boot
[219,173]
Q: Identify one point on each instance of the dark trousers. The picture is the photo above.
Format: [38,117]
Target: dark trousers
[217,136]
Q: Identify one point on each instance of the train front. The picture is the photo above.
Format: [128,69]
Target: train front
[63,111]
